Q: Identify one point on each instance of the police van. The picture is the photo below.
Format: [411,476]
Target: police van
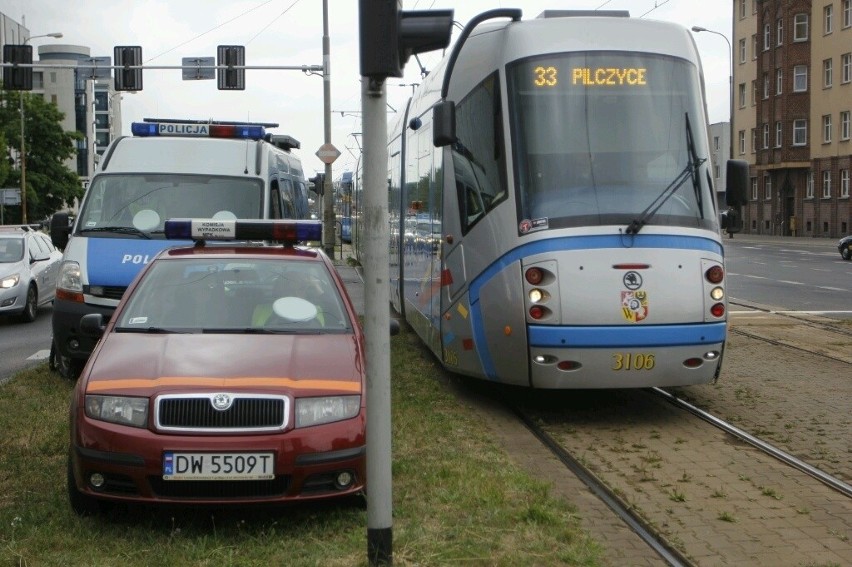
[166,169]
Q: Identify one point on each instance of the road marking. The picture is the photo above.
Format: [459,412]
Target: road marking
[40,355]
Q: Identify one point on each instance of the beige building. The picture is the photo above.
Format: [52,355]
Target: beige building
[792,105]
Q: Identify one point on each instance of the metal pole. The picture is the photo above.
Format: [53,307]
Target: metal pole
[23,165]
[377,323]
[328,220]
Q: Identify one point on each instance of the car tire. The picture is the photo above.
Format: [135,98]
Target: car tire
[846,254]
[28,315]
[82,504]
[68,367]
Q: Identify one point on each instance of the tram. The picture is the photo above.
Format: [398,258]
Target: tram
[552,213]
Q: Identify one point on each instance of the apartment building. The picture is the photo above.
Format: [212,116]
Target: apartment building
[792,104]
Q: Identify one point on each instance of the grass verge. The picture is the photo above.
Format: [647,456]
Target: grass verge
[458,498]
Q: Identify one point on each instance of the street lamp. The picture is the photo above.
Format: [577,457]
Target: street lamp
[56,35]
[698,29]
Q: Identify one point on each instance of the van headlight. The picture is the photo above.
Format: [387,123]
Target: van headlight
[118,409]
[315,411]
[69,277]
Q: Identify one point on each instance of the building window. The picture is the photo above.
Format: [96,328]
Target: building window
[779,81]
[778,134]
[53,77]
[742,95]
[800,78]
[742,142]
[754,46]
[716,143]
[846,67]
[754,188]
[800,27]
[827,73]
[766,39]
[828,14]
[826,128]
[826,184]
[809,185]
[847,13]
[779,33]
[765,136]
[844,125]
[767,187]
[753,93]
[766,85]
[844,183]
[800,132]
[753,140]
[717,171]
[742,51]
[102,121]
[742,9]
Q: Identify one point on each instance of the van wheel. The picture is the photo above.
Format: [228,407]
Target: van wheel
[68,367]
[28,315]
[82,504]
[846,254]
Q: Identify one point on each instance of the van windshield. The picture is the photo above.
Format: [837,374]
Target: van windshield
[145,202]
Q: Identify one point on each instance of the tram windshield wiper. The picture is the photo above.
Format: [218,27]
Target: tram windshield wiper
[118,229]
[690,171]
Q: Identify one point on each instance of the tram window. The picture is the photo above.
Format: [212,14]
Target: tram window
[479,155]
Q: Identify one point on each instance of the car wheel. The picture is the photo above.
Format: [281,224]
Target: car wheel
[28,315]
[846,254]
[68,367]
[82,504]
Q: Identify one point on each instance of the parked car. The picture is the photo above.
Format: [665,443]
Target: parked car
[228,374]
[29,266]
[845,247]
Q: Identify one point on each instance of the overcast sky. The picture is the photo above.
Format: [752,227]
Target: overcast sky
[289,33]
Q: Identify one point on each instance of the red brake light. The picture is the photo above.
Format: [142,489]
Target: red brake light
[715,274]
[536,312]
[534,276]
[718,310]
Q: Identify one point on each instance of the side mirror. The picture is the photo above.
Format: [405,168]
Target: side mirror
[92,324]
[736,183]
[60,230]
[444,123]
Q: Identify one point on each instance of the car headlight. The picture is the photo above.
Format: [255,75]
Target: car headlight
[314,411]
[69,277]
[10,281]
[118,409]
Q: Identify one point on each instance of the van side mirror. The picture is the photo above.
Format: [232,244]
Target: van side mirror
[736,183]
[59,230]
[444,123]
[92,324]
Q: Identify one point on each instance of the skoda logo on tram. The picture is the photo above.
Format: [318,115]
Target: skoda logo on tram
[632,280]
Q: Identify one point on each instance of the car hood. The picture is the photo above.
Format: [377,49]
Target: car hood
[9,268]
[136,364]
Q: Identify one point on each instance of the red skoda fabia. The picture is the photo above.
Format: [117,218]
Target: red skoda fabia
[229,374]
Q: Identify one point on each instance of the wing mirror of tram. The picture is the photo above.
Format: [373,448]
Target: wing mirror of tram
[444,123]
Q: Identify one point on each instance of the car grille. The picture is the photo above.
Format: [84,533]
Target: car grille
[220,489]
[244,413]
[109,292]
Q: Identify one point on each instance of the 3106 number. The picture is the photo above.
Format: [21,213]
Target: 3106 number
[632,361]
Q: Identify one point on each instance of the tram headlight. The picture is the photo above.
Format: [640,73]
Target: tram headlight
[717,293]
[536,295]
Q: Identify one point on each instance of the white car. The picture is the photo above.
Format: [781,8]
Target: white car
[29,264]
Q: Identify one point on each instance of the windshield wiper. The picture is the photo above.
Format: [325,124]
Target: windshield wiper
[690,171]
[118,229]
[152,330]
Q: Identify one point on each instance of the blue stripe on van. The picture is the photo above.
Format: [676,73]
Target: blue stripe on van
[116,261]
[626,336]
[585,242]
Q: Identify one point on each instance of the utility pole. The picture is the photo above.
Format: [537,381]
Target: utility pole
[328,217]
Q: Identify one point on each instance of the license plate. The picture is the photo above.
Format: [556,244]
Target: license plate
[218,466]
[635,361]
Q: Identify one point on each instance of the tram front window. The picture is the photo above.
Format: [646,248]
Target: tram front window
[599,136]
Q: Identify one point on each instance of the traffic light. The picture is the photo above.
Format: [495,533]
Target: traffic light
[231,79]
[318,181]
[390,36]
[18,78]
[128,79]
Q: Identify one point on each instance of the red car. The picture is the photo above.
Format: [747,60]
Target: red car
[228,374]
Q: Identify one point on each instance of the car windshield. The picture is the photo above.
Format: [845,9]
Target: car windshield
[609,138]
[235,296]
[142,203]
[11,249]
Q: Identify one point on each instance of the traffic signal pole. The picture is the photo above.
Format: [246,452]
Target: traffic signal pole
[328,216]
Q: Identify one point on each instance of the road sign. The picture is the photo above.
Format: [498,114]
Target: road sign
[204,68]
[328,153]
[10,196]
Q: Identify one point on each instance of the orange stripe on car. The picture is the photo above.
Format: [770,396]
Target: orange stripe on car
[142,383]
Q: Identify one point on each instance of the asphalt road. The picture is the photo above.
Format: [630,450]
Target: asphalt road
[24,344]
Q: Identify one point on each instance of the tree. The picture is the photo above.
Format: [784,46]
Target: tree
[51,186]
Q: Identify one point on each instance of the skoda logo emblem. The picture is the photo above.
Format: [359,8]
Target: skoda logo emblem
[221,402]
[632,280]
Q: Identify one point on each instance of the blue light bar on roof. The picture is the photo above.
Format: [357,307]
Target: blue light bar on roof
[287,231]
[198,130]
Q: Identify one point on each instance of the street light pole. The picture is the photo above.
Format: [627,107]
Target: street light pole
[698,29]
[23,144]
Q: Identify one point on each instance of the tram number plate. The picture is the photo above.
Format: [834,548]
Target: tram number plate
[632,361]
[218,466]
